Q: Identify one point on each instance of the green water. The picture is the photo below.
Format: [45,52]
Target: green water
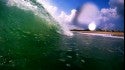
[31,42]
[24,38]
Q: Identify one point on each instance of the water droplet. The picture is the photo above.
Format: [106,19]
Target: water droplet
[13,64]
[69,50]
[87,43]
[11,32]
[27,32]
[19,28]
[83,61]
[4,62]
[77,49]
[47,35]
[1,56]
[10,61]
[66,43]
[69,56]
[1,64]
[62,60]
[77,54]
[68,65]
[110,50]
[44,54]
[23,35]
[36,37]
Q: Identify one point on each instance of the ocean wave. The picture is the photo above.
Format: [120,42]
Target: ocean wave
[38,9]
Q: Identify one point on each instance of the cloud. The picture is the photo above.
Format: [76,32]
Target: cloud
[106,14]
[66,18]
[63,18]
[108,26]
[112,18]
[104,18]
[88,13]
[119,5]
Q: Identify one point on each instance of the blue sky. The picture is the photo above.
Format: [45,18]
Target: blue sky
[68,5]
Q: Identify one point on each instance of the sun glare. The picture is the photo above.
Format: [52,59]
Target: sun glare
[92,26]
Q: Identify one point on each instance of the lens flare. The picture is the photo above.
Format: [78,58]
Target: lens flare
[92,26]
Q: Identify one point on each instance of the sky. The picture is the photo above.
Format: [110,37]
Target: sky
[68,5]
[79,14]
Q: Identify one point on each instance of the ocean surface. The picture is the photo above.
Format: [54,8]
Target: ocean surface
[30,39]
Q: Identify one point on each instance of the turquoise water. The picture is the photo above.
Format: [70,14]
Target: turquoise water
[32,42]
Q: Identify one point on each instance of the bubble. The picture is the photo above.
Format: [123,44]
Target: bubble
[83,61]
[76,49]
[77,54]
[62,60]
[69,56]
[10,61]
[69,50]
[1,56]
[27,32]
[68,65]
[23,35]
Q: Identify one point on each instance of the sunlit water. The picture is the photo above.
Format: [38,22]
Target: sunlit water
[32,42]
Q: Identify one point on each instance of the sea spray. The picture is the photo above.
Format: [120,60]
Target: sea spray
[63,19]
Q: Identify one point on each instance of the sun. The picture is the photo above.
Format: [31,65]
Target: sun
[92,26]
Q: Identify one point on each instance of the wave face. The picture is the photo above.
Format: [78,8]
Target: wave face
[27,33]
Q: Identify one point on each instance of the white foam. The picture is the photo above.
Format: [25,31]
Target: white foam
[23,4]
[104,35]
[28,5]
